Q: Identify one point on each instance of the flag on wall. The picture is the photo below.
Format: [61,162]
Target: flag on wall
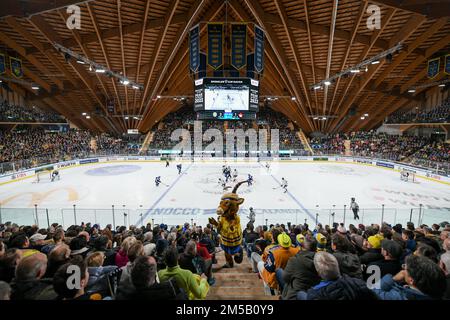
[433,67]
[16,67]
[259,49]
[215,45]
[2,63]
[194,48]
[447,64]
[238,45]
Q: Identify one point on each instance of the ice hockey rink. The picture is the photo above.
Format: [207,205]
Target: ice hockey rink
[316,191]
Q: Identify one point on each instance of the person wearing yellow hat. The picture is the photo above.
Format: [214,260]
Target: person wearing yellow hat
[300,239]
[277,260]
[372,246]
[321,242]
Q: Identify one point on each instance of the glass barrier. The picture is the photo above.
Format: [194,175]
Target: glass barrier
[119,215]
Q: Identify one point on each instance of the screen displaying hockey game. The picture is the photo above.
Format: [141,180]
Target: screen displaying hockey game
[227,94]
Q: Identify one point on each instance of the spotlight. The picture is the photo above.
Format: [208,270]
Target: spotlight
[355,71]
[442,85]
[126,118]
[315,118]
[367,69]
[376,62]
[317,87]
[324,118]
[90,68]
[362,118]
[366,114]
[80,62]
[88,117]
[135,118]
[135,86]
[158,97]
[84,113]
[412,90]
[125,82]
[100,70]
[293,98]
[327,83]
[34,87]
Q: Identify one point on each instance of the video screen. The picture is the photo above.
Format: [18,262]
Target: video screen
[227,96]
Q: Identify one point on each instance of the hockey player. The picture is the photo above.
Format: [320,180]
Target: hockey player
[284,184]
[157,181]
[167,163]
[179,168]
[251,216]
[267,166]
[235,175]
[55,174]
[249,180]
[355,208]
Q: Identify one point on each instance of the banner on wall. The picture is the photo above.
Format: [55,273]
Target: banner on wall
[2,63]
[433,67]
[16,67]
[447,64]
[194,48]
[238,45]
[259,49]
[215,45]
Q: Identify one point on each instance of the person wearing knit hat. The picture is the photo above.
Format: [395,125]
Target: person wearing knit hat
[321,242]
[375,241]
[300,239]
[277,260]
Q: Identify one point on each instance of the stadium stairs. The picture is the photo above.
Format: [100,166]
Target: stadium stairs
[237,283]
[301,135]
[148,139]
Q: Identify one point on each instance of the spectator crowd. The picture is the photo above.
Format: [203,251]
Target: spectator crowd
[161,262]
[13,113]
[439,114]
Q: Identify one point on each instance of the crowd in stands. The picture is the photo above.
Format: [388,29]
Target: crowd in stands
[436,152]
[184,119]
[371,144]
[13,113]
[438,114]
[160,262]
[333,263]
[40,145]
[147,263]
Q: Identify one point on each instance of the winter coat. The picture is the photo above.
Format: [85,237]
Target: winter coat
[387,266]
[167,290]
[191,263]
[121,258]
[299,274]
[370,255]
[33,290]
[344,288]
[349,264]
[192,284]
[390,290]
[98,280]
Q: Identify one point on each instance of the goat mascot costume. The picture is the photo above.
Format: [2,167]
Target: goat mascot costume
[229,226]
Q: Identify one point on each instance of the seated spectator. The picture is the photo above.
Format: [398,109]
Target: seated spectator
[373,250]
[121,258]
[300,273]
[58,238]
[194,286]
[101,244]
[146,286]
[8,264]
[78,246]
[444,263]
[99,274]
[446,245]
[424,280]
[149,246]
[408,237]
[37,241]
[29,283]
[335,286]
[62,277]
[136,250]
[349,263]
[5,291]
[391,252]
[191,261]
[58,256]
[427,251]
[258,259]
[277,260]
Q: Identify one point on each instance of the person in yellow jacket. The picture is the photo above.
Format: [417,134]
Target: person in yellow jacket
[195,287]
[278,258]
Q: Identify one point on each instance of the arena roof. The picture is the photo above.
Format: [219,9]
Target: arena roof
[306,42]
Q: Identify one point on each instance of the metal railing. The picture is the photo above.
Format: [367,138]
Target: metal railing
[122,215]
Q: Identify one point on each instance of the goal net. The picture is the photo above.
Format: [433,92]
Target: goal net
[43,176]
[408,175]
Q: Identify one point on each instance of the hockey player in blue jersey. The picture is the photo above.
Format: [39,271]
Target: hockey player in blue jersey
[157,180]
[249,180]
[179,168]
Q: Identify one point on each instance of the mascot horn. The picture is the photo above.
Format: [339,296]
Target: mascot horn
[229,226]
